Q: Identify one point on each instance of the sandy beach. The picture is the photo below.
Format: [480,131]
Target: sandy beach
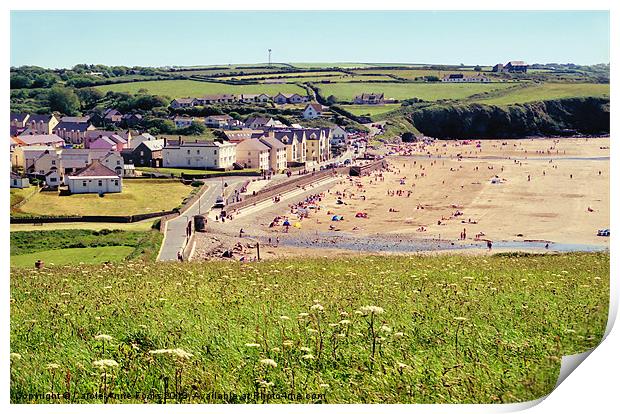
[549,190]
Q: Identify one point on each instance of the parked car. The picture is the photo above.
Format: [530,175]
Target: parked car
[603,232]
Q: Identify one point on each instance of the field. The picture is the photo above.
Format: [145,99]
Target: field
[19,194]
[74,246]
[87,255]
[370,110]
[425,91]
[285,75]
[334,79]
[548,91]
[138,196]
[185,88]
[416,73]
[142,225]
[376,329]
[320,65]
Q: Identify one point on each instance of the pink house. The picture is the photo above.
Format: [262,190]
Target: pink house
[93,136]
[104,143]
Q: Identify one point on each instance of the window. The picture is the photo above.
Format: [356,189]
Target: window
[100,183]
[197,151]
[116,183]
[187,152]
[118,162]
[214,152]
[83,183]
[52,179]
[53,162]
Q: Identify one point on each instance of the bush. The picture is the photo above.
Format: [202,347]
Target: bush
[197,183]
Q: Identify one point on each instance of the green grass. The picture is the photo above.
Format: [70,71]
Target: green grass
[19,194]
[455,329]
[138,196]
[319,65]
[370,110]
[426,91]
[184,88]
[417,73]
[142,225]
[87,255]
[546,91]
[178,171]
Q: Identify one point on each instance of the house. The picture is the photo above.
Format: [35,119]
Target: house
[254,98]
[72,160]
[220,121]
[183,103]
[317,144]
[459,77]
[312,110]
[239,135]
[292,98]
[147,153]
[42,124]
[120,139]
[252,153]
[182,121]
[24,157]
[18,181]
[76,119]
[198,154]
[295,142]
[95,178]
[498,68]
[369,99]
[139,139]
[73,130]
[339,136]
[131,120]
[19,120]
[112,116]
[515,66]
[277,153]
[218,98]
[256,122]
[52,140]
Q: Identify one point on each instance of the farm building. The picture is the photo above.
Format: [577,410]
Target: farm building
[369,99]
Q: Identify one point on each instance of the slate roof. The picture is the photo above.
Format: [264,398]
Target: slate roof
[95,169]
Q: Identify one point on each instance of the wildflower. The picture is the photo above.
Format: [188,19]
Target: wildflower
[371,309]
[107,287]
[275,349]
[180,353]
[344,313]
[341,335]
[312,331]
[15,356]
[571,331]
[305,349]
[288,343]
[317,307]
[333,325]
[284,318]
[252,345]
[345,322]
[269,362]
[386,328]
[303,315]
[460,318]
[308,356]
[105,363]
[103,337]
[265,384]
[468,278]
[399,335]
[52,366]
[324,385]
[65,294]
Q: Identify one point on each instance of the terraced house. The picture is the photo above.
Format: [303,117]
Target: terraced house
[199,154]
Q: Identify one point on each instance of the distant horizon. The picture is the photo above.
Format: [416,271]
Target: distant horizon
[62,39]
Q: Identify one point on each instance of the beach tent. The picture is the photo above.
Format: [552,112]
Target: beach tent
[336,218]
[297,225]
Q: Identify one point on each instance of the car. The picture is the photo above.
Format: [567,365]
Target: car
[219,202]
[603,232]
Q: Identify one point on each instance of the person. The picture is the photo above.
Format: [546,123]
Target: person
[489,244]
[241,232]
[180,256]
[464,234]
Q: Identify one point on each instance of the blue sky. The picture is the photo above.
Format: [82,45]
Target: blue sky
[147,38]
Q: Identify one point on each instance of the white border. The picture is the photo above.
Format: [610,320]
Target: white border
[593,386]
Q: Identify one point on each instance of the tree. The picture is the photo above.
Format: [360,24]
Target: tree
[20,81]
[194,129]
[477,68]
[63,100]
[44,80]
[408,137]
[89,96]
[331,99]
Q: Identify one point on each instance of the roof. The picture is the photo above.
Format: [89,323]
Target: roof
[95,169]
[40,118]
[72,126]
[368,95]
[271,142]
[40,139]
[19,117]
[154,145]
[107,140]
[196,143]
[184,100]
[252,144]
[260,120]
[78,119]
[516,63]
[109,113]
[316,106]
[220,117]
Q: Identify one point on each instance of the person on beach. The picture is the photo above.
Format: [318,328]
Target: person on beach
[489,244]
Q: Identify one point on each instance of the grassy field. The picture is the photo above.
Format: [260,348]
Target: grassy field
[416,73]
[370,110]
[548,91]
[138,196]
[178,171]
[19,194]
[184,88]
[425,91]
[137,226]
[63,247]
[372,329]
[319,65]
[88,255]
[286,75]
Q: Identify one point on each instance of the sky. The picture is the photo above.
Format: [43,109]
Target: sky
[61,39]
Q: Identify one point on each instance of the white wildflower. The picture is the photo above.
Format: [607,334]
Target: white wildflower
[269,362]
[103,337]
[371,309]
[105,363]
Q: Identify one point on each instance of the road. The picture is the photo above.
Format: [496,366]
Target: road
[175,228]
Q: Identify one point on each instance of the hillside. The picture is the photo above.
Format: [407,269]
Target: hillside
[569,116]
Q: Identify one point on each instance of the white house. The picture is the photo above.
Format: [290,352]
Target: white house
[313,110]
[199,154]
[339,136]
[182,122]
[95,178]
[252,153]
[18,181]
